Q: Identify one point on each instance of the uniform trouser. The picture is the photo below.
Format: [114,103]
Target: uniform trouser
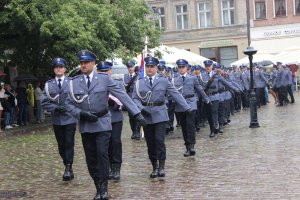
[226,105]
[95,147]
[188,126]
[245,99]
[64,135]
[221,113]
[237,101]
[282,94]
[232,103]
[155,139]
[135,127]
[290,92]
[212,115]
[171,111]
[260,96]
[203,115]
[115,143]
[198,114]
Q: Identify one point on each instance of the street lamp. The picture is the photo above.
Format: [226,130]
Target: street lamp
[250,51]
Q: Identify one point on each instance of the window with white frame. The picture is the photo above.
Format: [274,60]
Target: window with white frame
[162,18]
[280,8]
[181,17]
[227,12]
[204,14]
[260,9]
[297,7]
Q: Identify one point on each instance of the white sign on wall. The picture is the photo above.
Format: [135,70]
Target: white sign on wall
[276,32]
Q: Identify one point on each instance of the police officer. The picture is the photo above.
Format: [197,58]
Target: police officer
[260,82]
[149,94]
[88,101]
[129,80]
[64,124]
[188,85]
[115,108]
[211,81]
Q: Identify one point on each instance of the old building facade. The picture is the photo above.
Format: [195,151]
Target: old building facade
[275,24]
[216,29]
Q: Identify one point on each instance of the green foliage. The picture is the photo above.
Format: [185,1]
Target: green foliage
[38,30]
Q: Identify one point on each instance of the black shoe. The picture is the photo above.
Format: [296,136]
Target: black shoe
[167,131]
[171,129]
[212,134]
[221,129]
[192,150]
[178,125]
[111,174]
[188,151]
[137,135]
[161,168]
[154,174]
[68,174]
[116,174]
[133,136]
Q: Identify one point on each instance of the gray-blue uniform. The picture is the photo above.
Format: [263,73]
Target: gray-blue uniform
[129,81]
[246,85]
[188,85]
[290,83]
[211,81]
[115,108]
[64,124]
[149,94]
[260,82]
[88,102]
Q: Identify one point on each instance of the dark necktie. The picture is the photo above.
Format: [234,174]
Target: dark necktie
[150,79]
[88,81]
[59,84]
[183,78]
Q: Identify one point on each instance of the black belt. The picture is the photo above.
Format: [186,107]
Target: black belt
[188,96]
[212,93]
[100,114]
[157,103]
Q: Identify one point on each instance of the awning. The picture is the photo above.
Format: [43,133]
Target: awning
[275,46]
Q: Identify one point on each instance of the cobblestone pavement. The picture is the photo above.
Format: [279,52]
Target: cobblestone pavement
[243,163]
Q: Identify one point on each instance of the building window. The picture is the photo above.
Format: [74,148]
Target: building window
[260,9]
[280,8]
[227,12]
[181,17]
[204,14]
[297,7]
[162,18]
[223,55]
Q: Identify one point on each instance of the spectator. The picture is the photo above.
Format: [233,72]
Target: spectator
[30,99]
[12,100]
[6,111]
[22,103]
[2,91]
[37,102]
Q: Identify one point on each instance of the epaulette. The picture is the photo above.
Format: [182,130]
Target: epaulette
[72,78]
[103,73]
[50,80]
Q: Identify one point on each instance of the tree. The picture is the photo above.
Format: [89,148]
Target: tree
[38,30]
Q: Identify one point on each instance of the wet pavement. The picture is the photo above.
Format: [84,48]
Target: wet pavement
[243,163]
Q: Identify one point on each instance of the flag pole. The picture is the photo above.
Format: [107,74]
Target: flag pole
[144,54]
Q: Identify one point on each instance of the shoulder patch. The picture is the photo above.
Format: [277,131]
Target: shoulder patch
[75,77]
[102,73]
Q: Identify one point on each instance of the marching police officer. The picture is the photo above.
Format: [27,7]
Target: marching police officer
[188,84]
[88,102]
[149,94]
[115,108]
[129,80]
[64,124]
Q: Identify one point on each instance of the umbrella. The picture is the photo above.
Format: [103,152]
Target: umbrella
[26,77]
[266,63]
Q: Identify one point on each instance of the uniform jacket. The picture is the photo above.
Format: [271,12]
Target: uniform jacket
[117,115]
[245,77]
[127,79]
[259,80]
[157,93]
[189,88]
[96,101]
[50,104]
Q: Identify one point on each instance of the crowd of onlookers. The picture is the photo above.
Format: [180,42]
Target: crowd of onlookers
[20,105]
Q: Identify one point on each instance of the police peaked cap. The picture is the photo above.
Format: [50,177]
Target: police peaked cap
[86,55]
[104,66]
[151,61]
[130,64]
[208,62]
[59,61]
[182,62]
[162,62]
